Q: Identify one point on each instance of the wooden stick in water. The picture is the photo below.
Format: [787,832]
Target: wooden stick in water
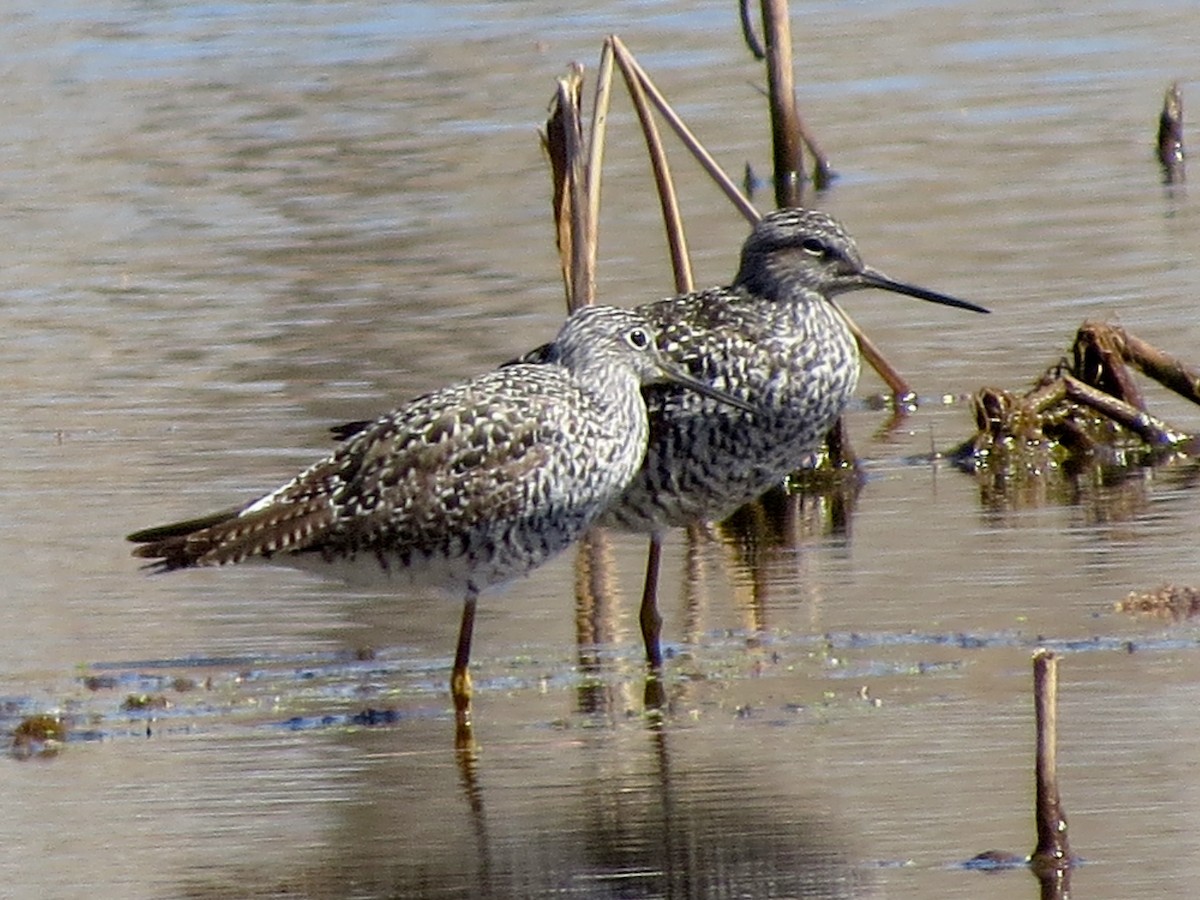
[1170,135]
[1053,850]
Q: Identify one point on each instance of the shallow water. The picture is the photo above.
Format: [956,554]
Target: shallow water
[230,226]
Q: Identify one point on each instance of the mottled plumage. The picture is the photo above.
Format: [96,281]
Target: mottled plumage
[461,488]
[772,338]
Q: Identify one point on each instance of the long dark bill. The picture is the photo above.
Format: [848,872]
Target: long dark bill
[676,375]
[876,279]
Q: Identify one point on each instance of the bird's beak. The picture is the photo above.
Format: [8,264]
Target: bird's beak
[675,375]
[876,279]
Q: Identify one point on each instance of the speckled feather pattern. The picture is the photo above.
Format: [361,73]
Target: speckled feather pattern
[772,337]
[461,488]
[793,358]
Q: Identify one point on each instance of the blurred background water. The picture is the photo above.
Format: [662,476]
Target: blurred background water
[225,227]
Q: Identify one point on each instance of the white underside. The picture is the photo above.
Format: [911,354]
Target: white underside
[432,577]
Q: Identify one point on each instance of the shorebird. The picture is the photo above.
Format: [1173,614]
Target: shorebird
[463,488]
[775,339]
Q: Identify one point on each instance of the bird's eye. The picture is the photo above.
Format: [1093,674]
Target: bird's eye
[638,339]
[814,247]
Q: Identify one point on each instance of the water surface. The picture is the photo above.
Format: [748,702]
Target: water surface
[229,226]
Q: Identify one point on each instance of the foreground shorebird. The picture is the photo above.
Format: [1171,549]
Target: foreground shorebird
[773,338]
[463,488]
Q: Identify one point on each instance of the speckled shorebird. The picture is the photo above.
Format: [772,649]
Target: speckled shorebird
[773,338]
[463,488]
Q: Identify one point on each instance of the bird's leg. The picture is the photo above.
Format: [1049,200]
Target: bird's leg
[651,623]
[460,678]
[649,617]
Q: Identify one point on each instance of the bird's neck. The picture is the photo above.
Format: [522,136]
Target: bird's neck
[619,390]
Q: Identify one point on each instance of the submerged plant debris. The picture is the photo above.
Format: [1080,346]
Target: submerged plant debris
[144,702]
[39,736]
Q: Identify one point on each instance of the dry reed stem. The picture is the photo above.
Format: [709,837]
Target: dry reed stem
[823,173]
[629,64]
[752,42]
[554,145]
[785,118]
[668,200]
[901,392]
[685,135]
[583,281]
[1053,851]
[595,164]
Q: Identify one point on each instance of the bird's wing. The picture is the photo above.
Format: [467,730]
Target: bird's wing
[427,472]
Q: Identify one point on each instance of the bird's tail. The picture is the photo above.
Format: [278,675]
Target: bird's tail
[231,535]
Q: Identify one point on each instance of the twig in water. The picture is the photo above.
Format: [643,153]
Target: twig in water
[1170,135]
[751,39]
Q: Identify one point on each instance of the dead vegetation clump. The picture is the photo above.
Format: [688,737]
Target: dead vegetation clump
[1167,601]
[1084,411]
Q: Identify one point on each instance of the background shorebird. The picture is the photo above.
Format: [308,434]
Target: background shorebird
[773,338]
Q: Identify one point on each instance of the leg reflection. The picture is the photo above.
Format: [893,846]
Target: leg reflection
[466,754]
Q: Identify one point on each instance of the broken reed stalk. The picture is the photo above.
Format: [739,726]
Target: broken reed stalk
[785,114]
[1170,135]
[577,215]
[1164,368]
[555,146]
[1053,850]
[563,142]
[583,281]
[649,618]
[1046,395]
[1167,370]
[1099,354]
[902,394]
[785,118]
